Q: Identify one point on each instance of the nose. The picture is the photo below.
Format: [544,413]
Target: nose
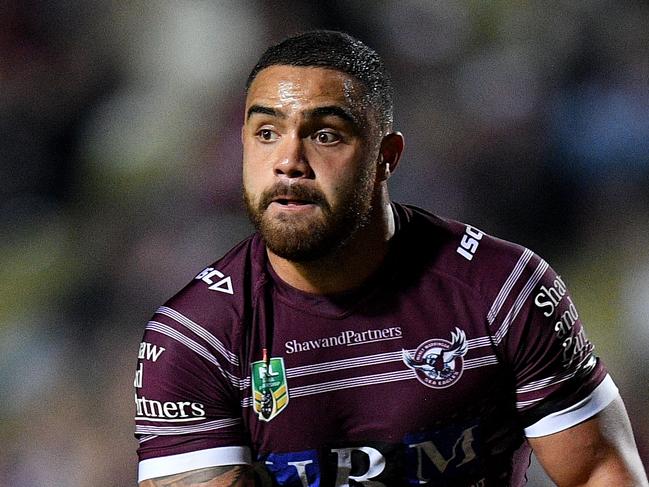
[292,161]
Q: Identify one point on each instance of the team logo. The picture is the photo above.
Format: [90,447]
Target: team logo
[216,279]
[439,363]
[269,388]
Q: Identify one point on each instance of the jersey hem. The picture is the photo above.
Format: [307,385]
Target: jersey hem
[184,462]
[588,407]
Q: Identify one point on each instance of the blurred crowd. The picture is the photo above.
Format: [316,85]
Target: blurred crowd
[120,179]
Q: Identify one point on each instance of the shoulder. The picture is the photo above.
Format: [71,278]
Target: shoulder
[468,255]
[219,296]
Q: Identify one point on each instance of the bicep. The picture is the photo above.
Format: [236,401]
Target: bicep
[598,451]
[228,475]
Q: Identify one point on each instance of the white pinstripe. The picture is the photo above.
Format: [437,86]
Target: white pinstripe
[183,430]
[200,331]
[480,362]
[380,358]
[368,380]
[520,300]
[508,285]
[543,383]
[146,438]
[196,347]
[522,404]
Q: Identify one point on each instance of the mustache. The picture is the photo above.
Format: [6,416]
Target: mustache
[297,191]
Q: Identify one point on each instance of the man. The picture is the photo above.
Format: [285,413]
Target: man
[355,341]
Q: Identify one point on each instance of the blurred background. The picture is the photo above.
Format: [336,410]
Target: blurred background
[120,179]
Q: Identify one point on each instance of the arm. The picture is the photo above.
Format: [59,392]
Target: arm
[226,476]
[600,451]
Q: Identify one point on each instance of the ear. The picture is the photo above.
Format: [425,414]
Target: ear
[389,154]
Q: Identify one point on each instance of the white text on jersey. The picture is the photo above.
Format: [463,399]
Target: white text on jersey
[148,351]
[224,284]
[470,241]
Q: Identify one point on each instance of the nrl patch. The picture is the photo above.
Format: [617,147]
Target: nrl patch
[439,363]
[269,387]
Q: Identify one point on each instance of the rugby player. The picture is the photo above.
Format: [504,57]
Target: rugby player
[352,340]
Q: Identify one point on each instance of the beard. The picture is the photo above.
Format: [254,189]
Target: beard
[305,239]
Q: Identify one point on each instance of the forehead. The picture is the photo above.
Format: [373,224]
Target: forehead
[301,87]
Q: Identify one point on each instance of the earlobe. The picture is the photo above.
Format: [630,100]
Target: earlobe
[390,153]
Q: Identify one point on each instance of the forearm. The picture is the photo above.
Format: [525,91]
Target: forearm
[225,476]
[598,452]
[614,471]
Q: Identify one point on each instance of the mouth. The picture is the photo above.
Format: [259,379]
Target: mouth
[291,201]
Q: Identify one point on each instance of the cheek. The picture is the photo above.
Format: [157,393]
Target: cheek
[248,155]
[340,181]
[250,179]
[253,153]
[341,189]
[257,161]
[252,186]
[252,170]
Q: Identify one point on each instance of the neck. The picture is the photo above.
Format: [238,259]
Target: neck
[350,266]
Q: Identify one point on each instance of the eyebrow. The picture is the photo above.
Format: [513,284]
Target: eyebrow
[333,110]
[319,112]
[264,111]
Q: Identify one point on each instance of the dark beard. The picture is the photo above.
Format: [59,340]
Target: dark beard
[299,239]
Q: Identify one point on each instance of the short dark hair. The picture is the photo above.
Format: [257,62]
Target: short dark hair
[338,51]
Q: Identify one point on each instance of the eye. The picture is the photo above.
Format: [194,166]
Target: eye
[325,137]
[266,135]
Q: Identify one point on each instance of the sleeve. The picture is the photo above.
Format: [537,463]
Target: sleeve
[558,379]
[187,398]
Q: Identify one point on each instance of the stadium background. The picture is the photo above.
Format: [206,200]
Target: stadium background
[119,169]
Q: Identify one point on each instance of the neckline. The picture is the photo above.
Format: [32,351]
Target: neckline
[337,305]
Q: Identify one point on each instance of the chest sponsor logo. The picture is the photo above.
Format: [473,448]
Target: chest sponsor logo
[439,363]
[216,280]
[450,456]
[269,387]
[345,338]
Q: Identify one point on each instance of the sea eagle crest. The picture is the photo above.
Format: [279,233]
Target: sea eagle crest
[437,362]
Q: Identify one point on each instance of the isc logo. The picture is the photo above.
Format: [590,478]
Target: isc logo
[470,241]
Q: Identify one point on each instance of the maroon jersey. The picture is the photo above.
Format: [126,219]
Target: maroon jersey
[433,373]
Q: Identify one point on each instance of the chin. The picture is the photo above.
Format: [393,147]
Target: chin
[299,255]
[305,244]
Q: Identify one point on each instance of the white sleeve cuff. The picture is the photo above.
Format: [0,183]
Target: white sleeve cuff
[184,462]
[588,407]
